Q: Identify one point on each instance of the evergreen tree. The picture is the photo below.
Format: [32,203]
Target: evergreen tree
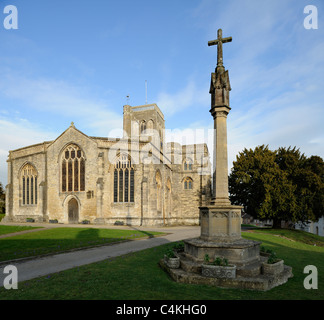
[279,185]
[2,199]
[307,175]
[258,183]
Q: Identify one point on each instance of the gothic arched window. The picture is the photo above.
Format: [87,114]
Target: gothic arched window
[187,164]
[29,185]
[150,124]
[187,183]
[143,126]
[123,180]
[73,169]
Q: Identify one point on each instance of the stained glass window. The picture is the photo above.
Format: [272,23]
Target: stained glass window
[29,185]
[73,169]
[123,180]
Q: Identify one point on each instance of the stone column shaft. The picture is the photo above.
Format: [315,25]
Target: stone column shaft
[220,174]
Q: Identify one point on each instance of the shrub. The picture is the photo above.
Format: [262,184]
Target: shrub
[217,261]
[170,253]
[179,247]
[272,258]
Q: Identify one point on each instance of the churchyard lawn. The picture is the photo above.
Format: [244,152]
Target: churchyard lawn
[58,240]
[12,229]
[137,276]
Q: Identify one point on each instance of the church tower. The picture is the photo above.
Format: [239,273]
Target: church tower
[144,122]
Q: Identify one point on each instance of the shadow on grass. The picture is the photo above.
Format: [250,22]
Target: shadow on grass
[60,240]
[293,234]
[137,276]
[150,235]
[297,255]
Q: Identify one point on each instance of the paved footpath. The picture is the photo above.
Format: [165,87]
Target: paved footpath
[58,262]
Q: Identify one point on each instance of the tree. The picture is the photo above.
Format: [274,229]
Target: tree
[2,199]
[257,183]
[279,185]
[316,165]
[307,175]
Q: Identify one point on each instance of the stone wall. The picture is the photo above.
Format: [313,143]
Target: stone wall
[160,197]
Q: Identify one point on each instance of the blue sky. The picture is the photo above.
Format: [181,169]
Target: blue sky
[78,60]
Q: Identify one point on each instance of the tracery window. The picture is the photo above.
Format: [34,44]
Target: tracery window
[187,183]
[124,180]
[187,165]
[73,169]
[29,185]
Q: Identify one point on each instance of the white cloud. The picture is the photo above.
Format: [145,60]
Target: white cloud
[61,99]
[16,135]
[44,98]
[187,97]
[276,72]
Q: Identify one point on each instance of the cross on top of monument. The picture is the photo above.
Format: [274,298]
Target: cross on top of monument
[219,42]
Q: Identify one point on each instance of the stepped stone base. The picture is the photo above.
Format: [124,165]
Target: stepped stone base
[261,282]
[239,252]
[245,254]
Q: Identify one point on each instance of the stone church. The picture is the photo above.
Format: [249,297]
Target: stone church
[138,179]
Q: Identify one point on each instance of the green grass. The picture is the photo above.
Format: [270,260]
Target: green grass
[248,225]
[11,229]
[138,276]
[295,235]
[63,239]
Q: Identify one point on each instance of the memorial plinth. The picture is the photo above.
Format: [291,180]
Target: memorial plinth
[221,221]
[221,237]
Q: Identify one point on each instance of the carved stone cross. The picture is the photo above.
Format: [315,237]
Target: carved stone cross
[219,42]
